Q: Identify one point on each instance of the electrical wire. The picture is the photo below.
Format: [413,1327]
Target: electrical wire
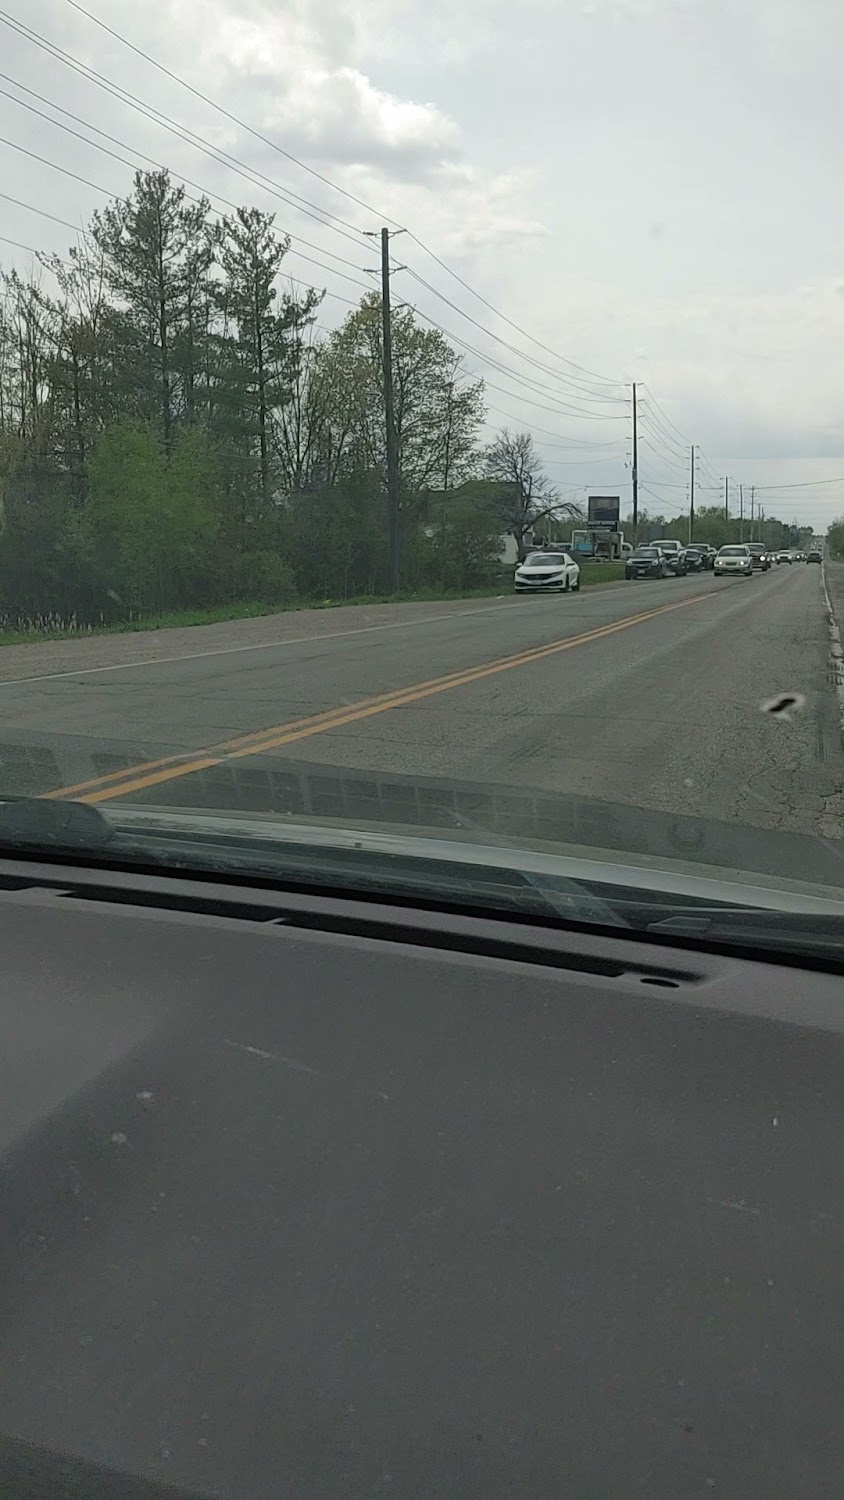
[806,484]
[579,386]
[506,370]
[265,140]
[218,157]
[46,256]
[160,166]
[108,194]
[336,187]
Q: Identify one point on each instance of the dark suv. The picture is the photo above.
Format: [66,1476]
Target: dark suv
[760,556]
[646,562]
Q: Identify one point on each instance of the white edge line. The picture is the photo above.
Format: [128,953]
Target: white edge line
[835,649]
[299,640]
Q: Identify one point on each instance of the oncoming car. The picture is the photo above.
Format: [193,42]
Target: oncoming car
[547,573]
[736,559]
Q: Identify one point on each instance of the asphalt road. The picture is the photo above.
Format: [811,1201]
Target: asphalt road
[647,694]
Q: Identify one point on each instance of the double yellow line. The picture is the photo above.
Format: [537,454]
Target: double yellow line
[170,768]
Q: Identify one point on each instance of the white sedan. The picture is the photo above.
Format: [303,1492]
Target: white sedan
[736,560]
[547,573]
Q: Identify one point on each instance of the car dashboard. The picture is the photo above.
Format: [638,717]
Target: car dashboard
[310,1195]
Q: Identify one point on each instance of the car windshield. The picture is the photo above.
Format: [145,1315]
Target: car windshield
[289,391]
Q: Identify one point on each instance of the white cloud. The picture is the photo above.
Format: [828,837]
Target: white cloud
[650,186]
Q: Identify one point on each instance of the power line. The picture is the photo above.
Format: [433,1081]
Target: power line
[572,412]
[267,141]
[680,435]
[649,417]
[19,202]
[553,409]
[601,379]
[46,256]
[158,117]
[222,158]
[17,244]
[86,181]
[142,154]
[805,484]
[580,389]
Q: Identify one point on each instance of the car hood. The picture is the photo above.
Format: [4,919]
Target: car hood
[677,877]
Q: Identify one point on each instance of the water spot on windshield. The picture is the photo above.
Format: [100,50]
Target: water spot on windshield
[783,705]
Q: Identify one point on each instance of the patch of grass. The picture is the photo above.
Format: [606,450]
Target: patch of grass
[248,609]
[609,572]
[239,609]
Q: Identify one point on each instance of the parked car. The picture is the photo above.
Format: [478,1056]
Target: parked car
[547,573]
[697,559]
[647,562]
[737,560]
[814,556]
[675,554]
[784,557]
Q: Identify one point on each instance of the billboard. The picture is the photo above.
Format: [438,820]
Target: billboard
[603,511]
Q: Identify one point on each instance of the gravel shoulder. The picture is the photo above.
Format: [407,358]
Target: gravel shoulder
[40,658]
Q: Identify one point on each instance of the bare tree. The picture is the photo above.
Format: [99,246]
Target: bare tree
[527,496]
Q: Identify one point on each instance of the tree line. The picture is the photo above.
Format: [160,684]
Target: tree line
[712,525]
[177,431]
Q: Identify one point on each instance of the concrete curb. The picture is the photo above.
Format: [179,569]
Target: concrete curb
[836,652]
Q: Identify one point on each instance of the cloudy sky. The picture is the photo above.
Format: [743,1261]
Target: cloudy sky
[647,189]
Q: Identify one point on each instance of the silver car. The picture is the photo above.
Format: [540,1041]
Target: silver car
[737,559]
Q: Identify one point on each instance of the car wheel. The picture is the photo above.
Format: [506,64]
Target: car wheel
[575,588]
[565,587]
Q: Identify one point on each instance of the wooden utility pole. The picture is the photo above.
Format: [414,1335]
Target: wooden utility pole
[752,515]
[727,503]
[635,466]
[741,513]
[390,412]
[692,496]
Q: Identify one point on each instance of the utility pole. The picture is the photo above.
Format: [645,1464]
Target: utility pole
[741,513]
[692,497]
[390,410]
[635,466]
[727,504]
[752,515]
[389,399]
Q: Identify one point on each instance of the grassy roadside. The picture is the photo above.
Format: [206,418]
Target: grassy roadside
[248,609]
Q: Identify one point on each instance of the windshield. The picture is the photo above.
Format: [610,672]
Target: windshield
[292,383]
